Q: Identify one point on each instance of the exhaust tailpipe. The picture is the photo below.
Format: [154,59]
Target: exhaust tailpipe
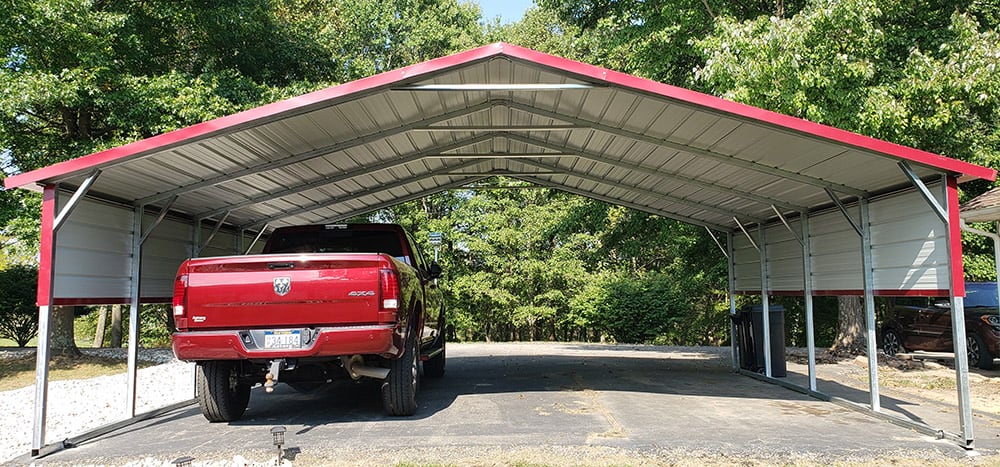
[355,366]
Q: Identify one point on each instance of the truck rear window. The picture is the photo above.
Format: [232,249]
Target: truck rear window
[337,241]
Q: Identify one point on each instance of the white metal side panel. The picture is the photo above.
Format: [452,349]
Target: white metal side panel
[165,249]
[223,244]
[836,252]
[93,251]
[746,262]
[784,259]
[909,243]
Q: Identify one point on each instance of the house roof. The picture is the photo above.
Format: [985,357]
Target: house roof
[983,208]
[498,110]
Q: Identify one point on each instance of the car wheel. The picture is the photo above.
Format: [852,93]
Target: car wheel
[979,355]
[434,367]
[399,391]
[221,395]
[892,344]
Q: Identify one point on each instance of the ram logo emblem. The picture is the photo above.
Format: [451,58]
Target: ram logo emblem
[361,293]
[282,285]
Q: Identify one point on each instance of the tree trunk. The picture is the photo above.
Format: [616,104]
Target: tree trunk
[61,339]
[116,326]
[102,324]
[850,326]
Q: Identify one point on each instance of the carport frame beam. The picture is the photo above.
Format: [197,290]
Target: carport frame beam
[51,222]
[764,301]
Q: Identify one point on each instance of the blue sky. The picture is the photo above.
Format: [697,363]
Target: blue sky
[509,11]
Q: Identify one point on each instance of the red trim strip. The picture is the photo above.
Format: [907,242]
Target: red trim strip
[750,112]
[858,293]
[108,300]
[251,117]
[955,235]
[413,72]
[46,250]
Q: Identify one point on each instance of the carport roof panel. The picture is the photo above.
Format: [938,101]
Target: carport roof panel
[382,133]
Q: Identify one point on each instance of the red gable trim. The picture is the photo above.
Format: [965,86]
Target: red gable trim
[583,70]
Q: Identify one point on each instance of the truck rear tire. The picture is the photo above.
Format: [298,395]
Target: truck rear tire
[399,391]
[221,395]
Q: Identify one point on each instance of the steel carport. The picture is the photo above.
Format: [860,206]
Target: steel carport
[782,190]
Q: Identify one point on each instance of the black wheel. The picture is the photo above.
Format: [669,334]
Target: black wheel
[399,391]
[892,344]
[221,395]
[979,355]
[434,367]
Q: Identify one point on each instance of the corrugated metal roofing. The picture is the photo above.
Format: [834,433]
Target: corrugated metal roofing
[498,110]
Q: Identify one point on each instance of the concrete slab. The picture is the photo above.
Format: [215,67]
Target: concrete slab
[572,398]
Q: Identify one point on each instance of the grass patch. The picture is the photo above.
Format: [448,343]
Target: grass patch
[16,373]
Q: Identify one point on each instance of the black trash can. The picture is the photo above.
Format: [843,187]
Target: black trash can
[750,329]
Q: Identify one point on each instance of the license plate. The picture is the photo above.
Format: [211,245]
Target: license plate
[282,339]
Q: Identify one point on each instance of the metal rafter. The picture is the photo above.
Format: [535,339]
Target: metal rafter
[603,181]
[728,160]
[637,207]
[365,170]
[349,197]
[596,157]
[405,199]
[318,152]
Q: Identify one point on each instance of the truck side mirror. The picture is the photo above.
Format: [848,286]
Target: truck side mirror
[434,271]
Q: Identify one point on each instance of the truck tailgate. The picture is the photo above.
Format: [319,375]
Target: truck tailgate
[283,290]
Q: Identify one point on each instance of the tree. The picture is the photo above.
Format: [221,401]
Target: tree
[654,38]
[18,313]
[921,75]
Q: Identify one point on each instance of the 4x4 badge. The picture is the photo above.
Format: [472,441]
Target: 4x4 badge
[282,285]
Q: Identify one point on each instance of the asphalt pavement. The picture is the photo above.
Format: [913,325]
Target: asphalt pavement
[575,402]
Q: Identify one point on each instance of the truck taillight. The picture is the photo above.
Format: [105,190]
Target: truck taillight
[388,290]
[180,294]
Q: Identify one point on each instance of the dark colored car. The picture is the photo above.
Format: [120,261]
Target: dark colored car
[922,323]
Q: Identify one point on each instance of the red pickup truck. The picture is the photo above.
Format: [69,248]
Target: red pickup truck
[321,301]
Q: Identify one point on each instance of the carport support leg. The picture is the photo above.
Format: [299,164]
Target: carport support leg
[46,279]
[765,307]
[956,285]
[732,301]
[133,317]
[807,298]
[869,279]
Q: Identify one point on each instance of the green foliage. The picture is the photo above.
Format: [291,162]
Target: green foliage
[18,312]
[153,330]
[641,310]
[920,74]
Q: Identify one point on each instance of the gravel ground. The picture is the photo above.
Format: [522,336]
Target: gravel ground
[78,406]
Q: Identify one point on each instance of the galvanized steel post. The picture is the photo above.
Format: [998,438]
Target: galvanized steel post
[46,282]
[133,316]
[765,308]
[808,299]
[956,287]
[732,300]
[869,279]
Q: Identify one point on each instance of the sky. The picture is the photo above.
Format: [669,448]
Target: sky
[509,11]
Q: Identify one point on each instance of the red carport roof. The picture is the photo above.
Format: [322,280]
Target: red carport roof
[498,110]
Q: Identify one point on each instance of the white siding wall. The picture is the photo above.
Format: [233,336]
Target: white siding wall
[909,250]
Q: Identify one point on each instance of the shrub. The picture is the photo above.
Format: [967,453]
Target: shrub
[18,311]
[644,309]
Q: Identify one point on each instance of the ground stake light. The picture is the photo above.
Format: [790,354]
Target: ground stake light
[278,433]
